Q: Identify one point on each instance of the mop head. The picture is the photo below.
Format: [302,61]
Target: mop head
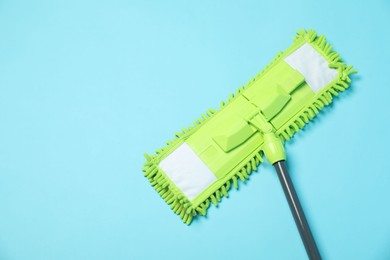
[202,162]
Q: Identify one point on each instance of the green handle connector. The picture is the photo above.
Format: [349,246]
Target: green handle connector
[273,148]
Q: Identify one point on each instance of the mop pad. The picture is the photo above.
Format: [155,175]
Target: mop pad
[223,147]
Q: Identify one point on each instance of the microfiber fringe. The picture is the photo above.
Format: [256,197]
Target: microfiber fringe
[179,202]
[240,175]
[163,185]
[174,197]
[325,96]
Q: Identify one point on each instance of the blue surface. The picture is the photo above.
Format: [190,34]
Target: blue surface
[86,87]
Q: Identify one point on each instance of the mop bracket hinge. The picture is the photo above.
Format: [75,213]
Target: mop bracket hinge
[272,148]
[260,123]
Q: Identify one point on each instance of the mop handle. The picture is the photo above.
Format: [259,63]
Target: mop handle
[296,210]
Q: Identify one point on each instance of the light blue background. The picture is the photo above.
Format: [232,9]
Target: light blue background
[86,87]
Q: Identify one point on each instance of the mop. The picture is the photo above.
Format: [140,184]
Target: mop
[223,147]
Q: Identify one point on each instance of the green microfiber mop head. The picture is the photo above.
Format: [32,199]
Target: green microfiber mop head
[202,162]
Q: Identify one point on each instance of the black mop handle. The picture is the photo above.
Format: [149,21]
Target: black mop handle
[296,210]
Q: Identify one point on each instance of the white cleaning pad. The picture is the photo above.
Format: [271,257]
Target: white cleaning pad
[187,171]
[312,66]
